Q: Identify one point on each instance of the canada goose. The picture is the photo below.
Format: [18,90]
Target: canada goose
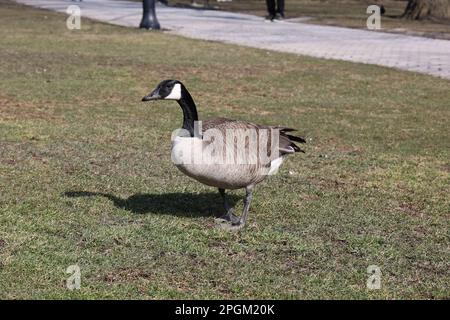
[228,164]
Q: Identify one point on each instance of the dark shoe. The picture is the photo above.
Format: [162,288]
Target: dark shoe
[278,17]
[269,18]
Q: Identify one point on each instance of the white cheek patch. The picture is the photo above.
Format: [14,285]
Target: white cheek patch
[175,94]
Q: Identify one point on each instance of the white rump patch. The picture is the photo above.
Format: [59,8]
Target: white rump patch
[175,94]
[274,165]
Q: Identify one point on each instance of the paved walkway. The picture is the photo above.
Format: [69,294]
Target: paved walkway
[431,56]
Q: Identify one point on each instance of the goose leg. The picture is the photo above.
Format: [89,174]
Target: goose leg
[228,216]
[248,199]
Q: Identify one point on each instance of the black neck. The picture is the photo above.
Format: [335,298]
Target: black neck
[189,110]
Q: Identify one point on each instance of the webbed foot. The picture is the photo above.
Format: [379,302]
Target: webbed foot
[229,218]
[229,226]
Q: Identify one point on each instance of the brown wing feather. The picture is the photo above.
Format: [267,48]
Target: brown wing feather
[286,142]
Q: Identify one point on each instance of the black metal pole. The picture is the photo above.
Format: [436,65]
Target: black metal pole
[149,20]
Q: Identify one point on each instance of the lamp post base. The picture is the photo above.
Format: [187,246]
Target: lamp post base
[149,20]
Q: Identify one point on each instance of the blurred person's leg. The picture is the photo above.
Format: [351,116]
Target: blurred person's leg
[280,7]
[271,9]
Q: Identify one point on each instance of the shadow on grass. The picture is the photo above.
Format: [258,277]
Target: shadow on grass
[177,204]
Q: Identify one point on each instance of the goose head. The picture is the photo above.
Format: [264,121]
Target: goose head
[175,90]
[166,90]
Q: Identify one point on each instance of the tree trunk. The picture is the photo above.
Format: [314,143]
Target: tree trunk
[423,9]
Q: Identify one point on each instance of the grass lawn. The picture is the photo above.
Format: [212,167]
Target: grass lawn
[345,13]
[86,176]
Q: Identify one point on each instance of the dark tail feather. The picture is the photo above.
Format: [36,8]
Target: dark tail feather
[284,129]
[296,148]
[291,138]
[294,138]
